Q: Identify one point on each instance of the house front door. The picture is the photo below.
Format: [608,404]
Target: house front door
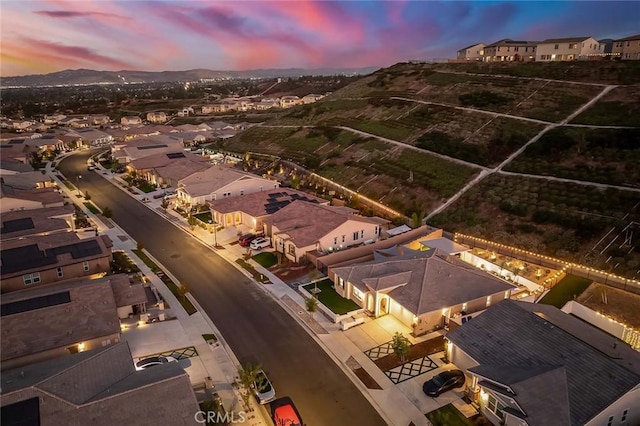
[384,306]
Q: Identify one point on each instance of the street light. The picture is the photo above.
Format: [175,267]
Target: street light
[78,185]
[215,232]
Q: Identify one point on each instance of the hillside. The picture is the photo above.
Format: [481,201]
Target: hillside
[542,156]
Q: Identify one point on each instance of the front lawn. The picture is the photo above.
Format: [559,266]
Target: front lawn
[204,217]
[266,259]
[567,289]
[448,415]
[332,300]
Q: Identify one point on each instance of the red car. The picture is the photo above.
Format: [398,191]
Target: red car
[284,413]
[246,239]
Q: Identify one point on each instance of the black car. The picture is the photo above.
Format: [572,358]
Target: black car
[443,382]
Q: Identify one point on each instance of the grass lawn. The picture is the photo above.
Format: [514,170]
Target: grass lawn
[266,259]
[448,415]
[146,187]
[93,209]
[565,290]
[147,261]
[332,300]
[204,217]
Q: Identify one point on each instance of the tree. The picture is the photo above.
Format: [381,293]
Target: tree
[183,289]
[400,345]
[246,379]
[106,212]
[416,219]
[192,222]
[312,304]
[87,196]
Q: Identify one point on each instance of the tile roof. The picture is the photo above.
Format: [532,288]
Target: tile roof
[164,159]
[509,42]
[91,313]
[423,281]
[599,368]
[102,385]
[633,37]
[214,178]
[125,292]
[49,219]
[26,180]
[565,40]
[263,203]
[35,252]
[42,195]
[306,222]
[470,46]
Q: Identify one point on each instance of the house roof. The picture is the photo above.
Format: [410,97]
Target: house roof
[630,38]
[125,292]
[92,134]
[54,316]
[164,159]
[263,203]
[7,163]
[470,46]
[26,180]
[598,368]
[423,281]
[102,385]
[214,178]
[41,195]
[565,40]
[29,222]
[306,222]
[509,42]
[37,252]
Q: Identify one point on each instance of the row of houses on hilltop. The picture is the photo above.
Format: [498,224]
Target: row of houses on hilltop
[554,49]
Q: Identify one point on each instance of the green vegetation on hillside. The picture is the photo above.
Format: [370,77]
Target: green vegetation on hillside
[598,155]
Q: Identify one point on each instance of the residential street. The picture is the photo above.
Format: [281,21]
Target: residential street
[257,329]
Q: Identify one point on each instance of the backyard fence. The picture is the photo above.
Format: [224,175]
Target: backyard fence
[553,263]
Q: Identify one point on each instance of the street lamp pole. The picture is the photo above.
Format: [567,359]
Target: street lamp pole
[215,232]
[78,185]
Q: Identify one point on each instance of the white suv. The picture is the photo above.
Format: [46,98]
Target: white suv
[260,243]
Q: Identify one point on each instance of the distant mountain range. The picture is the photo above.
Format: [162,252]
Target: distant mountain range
[85,77]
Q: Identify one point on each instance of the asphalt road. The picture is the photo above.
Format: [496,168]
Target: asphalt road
[254,325]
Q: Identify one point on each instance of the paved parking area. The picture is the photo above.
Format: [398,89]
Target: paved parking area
[411,369]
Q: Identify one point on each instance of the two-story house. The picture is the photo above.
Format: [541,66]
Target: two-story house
[569,49]
[627,48]
[475,52]
[302,226]
[507,50]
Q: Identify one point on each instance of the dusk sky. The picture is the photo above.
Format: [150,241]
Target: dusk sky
[46,36]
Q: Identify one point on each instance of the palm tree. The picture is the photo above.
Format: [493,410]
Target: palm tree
[400,345]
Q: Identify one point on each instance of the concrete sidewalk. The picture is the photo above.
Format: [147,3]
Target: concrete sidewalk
[393,404]
[216,363]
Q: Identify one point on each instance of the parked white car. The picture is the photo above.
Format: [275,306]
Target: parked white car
[145,363]
[260,243]
[263,388]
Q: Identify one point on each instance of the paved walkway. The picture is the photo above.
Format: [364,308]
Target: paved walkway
[400,404]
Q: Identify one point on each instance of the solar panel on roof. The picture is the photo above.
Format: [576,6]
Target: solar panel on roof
[78,250]
[23,258]
[35,303]
[151,147]
[17,225]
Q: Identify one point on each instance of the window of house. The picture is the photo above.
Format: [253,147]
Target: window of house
[292,249]
[362,234]
[488,301]
[556,47]
[343,238]
[624,416]
[32,278]
[59,270]
[106,342]
[242,192]
[628,43]
[356,235]
[495,406]
[376,230]
[464,306]
[357,293]
[610,422]
[515,49]
[335,241]
[85,266]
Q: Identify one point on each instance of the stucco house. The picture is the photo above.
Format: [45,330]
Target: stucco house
[627,48]
[289,101]
[422,289]
[100,387]
[474,52]
[569,49]
[531,364]
[130,120]
[301,227]
[251,210]
[13,199]
[168,168]
[156,117]
[219,182]
[507,50]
